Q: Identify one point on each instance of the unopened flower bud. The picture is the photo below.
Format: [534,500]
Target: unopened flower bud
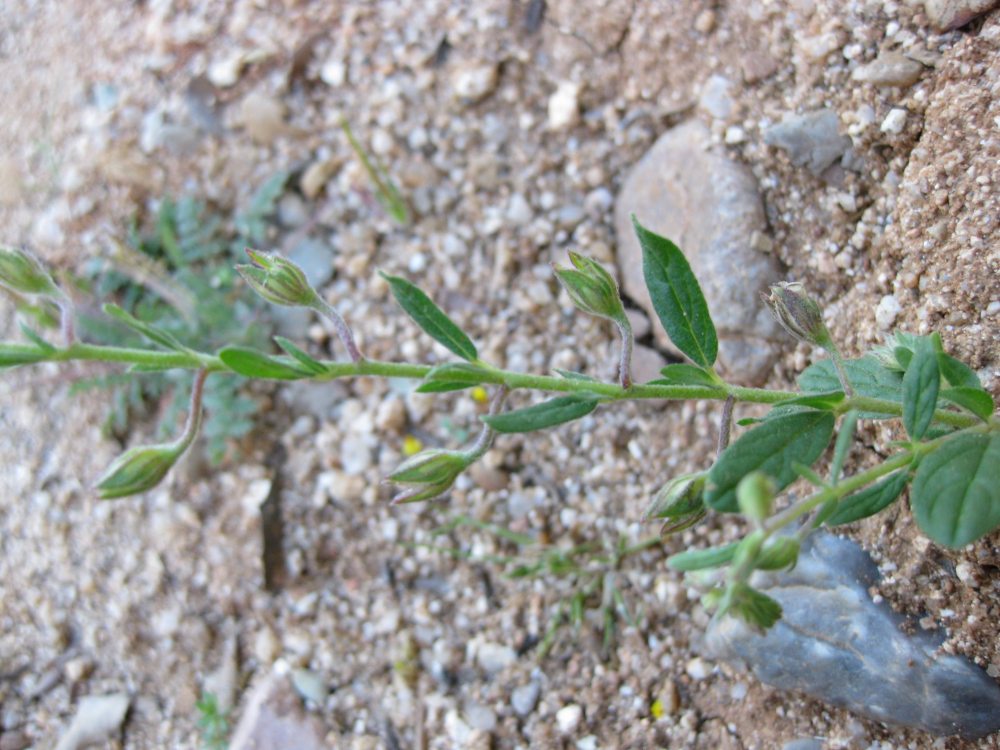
[680,501]
[798,313]
[277,279]
[138,469]
[755,495]
[428,474]
[591,288]
[782,552]
[24,273]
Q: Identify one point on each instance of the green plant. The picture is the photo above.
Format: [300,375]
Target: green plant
[386,192]
[179,278]
[213,723]
[949,458]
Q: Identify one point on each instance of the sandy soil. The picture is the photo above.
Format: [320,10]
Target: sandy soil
[143,595]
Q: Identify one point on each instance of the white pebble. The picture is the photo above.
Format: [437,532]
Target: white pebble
[887,311]
[894,122]
[564,106]
[475,83]
[568,718]
[417,263]
[735,134]
[698,668]
[518,210]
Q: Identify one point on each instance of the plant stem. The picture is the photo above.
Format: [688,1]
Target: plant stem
[628,342]
[725,423]
[193,423]
[325,309]
[194,360]
[485,439]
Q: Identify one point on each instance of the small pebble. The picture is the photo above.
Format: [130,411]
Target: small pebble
[894,122]
[568,718]
[475,83]
[309,685]
[705,21]
[480,717]
[887,311]
[518,210]
[494,657]
[889,69]
[564,106]
[524,698]
[698,669]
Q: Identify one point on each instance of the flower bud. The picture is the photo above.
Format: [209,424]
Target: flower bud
[755,495]
[429,473]
[138,469]
[591,288]
[798,313]
[24,273]
[277,279]
[681,501]
[782,552]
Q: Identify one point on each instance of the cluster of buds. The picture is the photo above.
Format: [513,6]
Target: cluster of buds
[23,273]
[277,280]
[429,474]
[680,502]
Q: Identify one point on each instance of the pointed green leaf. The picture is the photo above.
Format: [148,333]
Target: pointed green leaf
[867,376]
[920,389]
[957,373]
[870,500]
[701,559]
[570,375]
[308,363]
[677,297]
[683,374]
[157,336]
[430,317]
[254,364]
[979,402]
[822,401]
[546,414]
[955,495]
[462,372]
[37,340]
[773,448]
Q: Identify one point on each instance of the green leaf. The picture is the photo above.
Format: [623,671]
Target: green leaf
[462,372]
[823,401]
[920,389]
[684,374]
[867,376]
[702,559]
[677,297]
[956,495]
[570,375]
[870,500]
[254,364]
[156,335]
[430,317]
[546,414]
[308,363]
[442,386]
[845,437]
[37,340]
[979,402]
[957,373]
[12,355]
[754,607]
[773,448]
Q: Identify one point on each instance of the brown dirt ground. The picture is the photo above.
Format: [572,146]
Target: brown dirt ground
[140,595]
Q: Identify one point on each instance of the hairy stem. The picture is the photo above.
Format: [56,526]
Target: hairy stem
[628,342]
[325,309]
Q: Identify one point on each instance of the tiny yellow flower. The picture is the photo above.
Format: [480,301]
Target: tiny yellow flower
[411,445]
[656,709]
[479,395]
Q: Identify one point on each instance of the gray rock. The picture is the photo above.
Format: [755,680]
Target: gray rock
[812,140]
[946,15]
[96,719]
[524,699]
[710,206]
[889,69]
[835,644]
[806,743]
[273,717]
[715,97]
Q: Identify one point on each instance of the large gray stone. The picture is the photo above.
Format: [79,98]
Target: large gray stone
[688,191]
[274,718]
[835,644]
